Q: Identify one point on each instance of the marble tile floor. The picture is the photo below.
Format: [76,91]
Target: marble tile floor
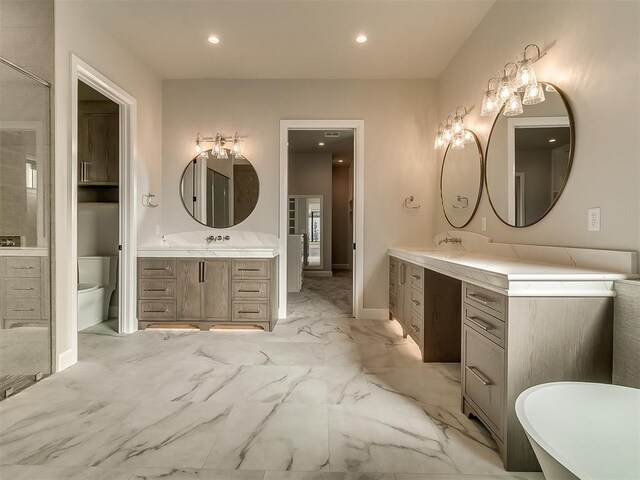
[323,397]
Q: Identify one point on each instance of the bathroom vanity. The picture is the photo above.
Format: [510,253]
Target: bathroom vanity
[514,316]
[208,288]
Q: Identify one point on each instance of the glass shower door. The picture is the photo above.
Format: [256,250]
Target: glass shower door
[25,250]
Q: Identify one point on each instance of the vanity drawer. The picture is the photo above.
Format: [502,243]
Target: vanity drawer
[485,300]
[157,267]
[416,299]
[157,310]
[483,377]
[22,267]
[251,269]
[23,288]
[416,277]
[485,324]
[22,308]
[251,311]
[416,327]
[251,289]
[156,288]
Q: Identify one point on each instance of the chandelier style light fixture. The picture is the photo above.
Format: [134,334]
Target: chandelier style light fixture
[452,132]
[219,150]
[516,85]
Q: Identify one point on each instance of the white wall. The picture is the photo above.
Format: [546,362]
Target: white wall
[399,159]
[77,32]
[593,52]
[310,174]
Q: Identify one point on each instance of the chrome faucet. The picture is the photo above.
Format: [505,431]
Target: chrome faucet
[219,238]
[450,240]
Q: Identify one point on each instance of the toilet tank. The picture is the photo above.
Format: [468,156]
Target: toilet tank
[100,270]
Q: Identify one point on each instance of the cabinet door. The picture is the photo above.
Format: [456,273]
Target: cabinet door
[216,291]
[99,145]
[189,289]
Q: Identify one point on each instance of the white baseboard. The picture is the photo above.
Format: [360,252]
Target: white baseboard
[318,273]
[66,359]
[374,314]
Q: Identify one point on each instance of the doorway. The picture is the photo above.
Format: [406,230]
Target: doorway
[321,219]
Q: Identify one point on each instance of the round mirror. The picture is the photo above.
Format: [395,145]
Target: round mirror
[461,182]
[219,192]
[529,158]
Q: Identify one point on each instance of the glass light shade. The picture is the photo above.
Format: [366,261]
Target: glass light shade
[468,137]
[440,143]
[198,148]
[458,142]
[222,154]
[236,149]
[533,94]
[490,103]
[504,89]
[457,125]
[525,75]
[447,133]
[513,106]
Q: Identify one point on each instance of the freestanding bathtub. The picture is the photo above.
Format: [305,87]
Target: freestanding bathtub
[587,431]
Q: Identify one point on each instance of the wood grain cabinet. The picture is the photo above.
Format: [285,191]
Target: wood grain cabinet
[24,287]
[98,141]
[206,292]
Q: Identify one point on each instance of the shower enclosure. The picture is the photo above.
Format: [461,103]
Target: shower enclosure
[25,228]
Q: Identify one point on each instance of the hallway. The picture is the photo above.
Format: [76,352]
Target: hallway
[324,397]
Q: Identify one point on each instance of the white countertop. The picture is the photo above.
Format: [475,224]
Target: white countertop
[513,276]
[218,251]
[24,251]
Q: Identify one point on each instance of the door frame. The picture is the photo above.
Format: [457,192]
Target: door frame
[358,193]
[127,321]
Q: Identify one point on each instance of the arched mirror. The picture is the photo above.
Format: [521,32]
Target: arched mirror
[461,182]
[529,158]
[219,192]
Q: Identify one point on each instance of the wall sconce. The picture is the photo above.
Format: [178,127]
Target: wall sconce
[219,142]
[453,132]
[515,79]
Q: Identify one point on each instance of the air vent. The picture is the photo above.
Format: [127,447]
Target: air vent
[331,134]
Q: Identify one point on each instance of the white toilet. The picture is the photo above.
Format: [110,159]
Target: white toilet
[97,277]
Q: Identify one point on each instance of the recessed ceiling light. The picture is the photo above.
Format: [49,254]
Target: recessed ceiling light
[213,39]
[340,161]
[321,144]
[552,140]
[361,38]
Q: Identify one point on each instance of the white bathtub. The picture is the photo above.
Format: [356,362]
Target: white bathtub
[587,431]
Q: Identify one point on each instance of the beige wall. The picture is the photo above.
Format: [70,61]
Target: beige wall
[77,32]
[593,52]
[310,174]
[399,159]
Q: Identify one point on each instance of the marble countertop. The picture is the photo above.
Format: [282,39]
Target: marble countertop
[218,251]
[24,251]
[513,276]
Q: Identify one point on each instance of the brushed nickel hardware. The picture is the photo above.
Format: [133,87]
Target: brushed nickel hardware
[483,300]
[8,392]
[479,323]
[248,311]
[249,269]
[416,277]
[151,269]
[30,267]
[415,329]
[415,302]
[38,376]
[479,375]
[22,310]
[456,240]
[408,203]
[156,311]
[402,274]
[29,289]
[242,290]
[32,76]
[157,289]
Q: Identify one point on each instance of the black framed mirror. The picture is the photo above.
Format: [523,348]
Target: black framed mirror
[528,159]
[219,192]
[461,182]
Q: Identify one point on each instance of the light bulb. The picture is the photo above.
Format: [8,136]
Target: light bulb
[468,137]
[198,148]
[457,125]
[489,103]
[447,133]
[504,87]
[526,75]
[513,106]
[458,142]
[533,94]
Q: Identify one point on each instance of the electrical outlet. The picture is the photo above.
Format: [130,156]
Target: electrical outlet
[484,224]
[593,219]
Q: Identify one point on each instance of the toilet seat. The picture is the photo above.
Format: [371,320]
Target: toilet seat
[87,287]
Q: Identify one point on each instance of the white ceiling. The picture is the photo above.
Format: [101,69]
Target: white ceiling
[291,38]
[340,148]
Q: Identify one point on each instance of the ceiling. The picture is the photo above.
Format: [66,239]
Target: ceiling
[291,38]
[340,148]
[538,138]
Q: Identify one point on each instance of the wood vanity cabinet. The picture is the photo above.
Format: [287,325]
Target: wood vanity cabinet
[98,141]
[24,287]
[427,306]
[512,343]
[205,292]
